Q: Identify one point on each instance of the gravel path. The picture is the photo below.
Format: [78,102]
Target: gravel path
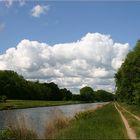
[135,116]
[130,131]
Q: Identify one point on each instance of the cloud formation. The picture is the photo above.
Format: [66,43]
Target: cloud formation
[9,3]
[91,61]
[39,10]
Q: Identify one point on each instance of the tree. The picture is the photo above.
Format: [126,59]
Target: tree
[55,92]
[76,97]
[65,94]
[86,94]
[103,96]
[128,78]
[15,86]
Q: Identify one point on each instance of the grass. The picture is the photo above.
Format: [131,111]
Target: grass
[58,122]
[134,123]
[103,123]
[135,109]
[18,130]
[15,104]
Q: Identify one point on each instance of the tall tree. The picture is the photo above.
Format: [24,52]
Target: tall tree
[128,77]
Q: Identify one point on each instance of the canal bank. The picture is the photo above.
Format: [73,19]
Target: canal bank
[36,119]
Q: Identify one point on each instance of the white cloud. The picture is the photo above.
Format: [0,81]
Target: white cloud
[39,9]
[91,61]
[22,2]
[2,26]
[9,3]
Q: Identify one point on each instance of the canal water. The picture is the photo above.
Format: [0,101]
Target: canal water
[37,118]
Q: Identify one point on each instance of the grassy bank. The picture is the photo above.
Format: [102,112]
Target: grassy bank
[15,104]
[103,123]
[135,109]
[134,123]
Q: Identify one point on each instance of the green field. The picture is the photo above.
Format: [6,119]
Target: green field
[15,104]
[104,123]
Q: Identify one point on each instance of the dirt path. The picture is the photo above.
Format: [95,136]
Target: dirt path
[130,132]
[136,117]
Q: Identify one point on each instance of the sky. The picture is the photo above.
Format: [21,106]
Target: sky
[71,43]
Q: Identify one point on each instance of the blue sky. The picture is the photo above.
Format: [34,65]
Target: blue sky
[69,21]
[76,49]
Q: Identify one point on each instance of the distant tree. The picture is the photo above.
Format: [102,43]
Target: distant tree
[10,84]
[103,96]
[15,86]
[87,94]
[65,94]
[76,97]
[55,92]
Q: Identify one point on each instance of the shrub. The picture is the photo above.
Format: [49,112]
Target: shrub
[17,130]
[3,99]
[59,122]
[17,134]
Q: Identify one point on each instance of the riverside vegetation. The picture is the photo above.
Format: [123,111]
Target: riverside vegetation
[23,94]
[128,88]
[17,104]
[14,86]
[135,109]
[133,122]
[128,78]
[103,122]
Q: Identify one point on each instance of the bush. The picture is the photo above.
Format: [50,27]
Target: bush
[17,134]
[17,130]
[5,134]
[58,122]
[3,99]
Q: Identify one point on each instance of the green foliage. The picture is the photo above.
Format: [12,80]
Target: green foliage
[10,104]
[133,122]
[128,78]
[17,134]
[66,94]
[135,109]
[76,97]
[98,124]
[5,134]
[87,94]
[14,86]
[103,96]
[3,99]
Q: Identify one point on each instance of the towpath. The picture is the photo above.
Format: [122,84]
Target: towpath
[130,132]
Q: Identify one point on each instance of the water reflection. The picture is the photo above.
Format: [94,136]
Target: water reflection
[37,118]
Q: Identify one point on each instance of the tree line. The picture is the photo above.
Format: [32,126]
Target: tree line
[14,86]
[88,94]
[128,78]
